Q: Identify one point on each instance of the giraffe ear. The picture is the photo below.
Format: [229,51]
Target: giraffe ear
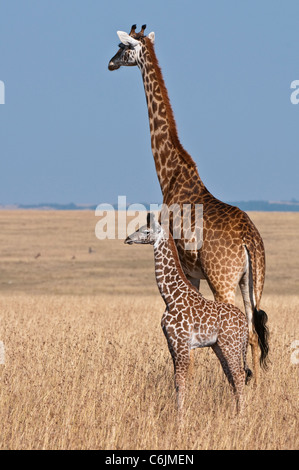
[126,39]
[151,36]
[150,219]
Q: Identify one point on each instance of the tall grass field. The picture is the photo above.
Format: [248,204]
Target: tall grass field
[83,360]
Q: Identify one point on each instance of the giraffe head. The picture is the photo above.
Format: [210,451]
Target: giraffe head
[147,234]
[129,48]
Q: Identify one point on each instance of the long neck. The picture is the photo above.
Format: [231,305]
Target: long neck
[172,161]
[170,277]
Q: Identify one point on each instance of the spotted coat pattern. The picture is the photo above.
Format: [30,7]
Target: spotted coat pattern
[190,321]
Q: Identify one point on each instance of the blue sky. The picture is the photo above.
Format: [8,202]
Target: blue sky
[71,131]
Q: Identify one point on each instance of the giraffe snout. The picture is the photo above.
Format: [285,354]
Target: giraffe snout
[112,66]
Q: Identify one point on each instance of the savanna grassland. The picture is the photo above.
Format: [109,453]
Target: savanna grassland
[86,365]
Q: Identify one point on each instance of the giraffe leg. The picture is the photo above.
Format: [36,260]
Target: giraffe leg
[227,297]
[172,352]
[196,283]
[181,363]
[230,360]
[239,383]
[181,367]
[219,353]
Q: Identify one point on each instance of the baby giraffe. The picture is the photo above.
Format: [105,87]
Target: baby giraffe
[190,321]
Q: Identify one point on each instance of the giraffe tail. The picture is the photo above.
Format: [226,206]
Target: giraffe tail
[260,319]
[248,373]
[256,283]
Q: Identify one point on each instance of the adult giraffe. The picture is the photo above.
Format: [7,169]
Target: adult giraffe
[232,251]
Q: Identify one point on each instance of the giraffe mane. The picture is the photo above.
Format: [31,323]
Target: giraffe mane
[169,112]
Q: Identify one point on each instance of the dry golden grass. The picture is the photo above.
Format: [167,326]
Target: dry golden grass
[87,365]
